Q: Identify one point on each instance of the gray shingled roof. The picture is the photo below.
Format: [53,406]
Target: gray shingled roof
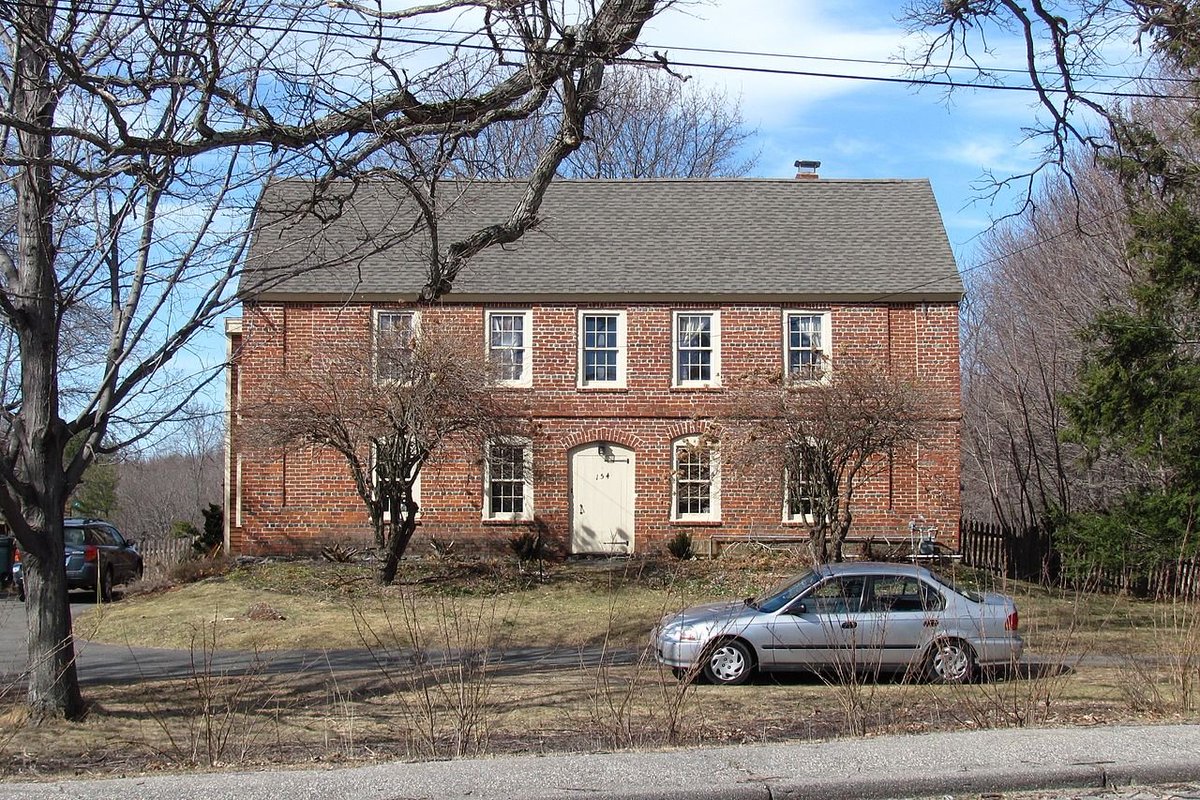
[853,239]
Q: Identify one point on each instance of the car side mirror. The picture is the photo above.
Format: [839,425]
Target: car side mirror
[798,608]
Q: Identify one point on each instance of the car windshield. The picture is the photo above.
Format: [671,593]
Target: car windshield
[73,536]
[974,597]
[784,592]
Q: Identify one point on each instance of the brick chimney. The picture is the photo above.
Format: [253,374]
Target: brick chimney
[807,170]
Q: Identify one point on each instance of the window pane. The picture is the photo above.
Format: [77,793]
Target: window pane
[506,479]
[600,348]
[806,355]
[694,344]
[393,344]
[507,341]
[693,481]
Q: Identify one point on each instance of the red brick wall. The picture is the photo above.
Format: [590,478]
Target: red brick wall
[297,502]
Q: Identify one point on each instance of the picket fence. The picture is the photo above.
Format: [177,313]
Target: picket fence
[159,556]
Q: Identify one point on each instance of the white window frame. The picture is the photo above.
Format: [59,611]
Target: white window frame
[526,512]
[416,487]
[714,378]
[382,312]
[622,349]
[526,379]
[714,482]
[826,342]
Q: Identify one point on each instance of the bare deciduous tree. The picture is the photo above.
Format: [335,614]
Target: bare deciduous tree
[647,124]
[1068,48]
[828,438]
[136,140]
[385,413]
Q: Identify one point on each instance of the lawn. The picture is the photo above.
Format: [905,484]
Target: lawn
[1143,665]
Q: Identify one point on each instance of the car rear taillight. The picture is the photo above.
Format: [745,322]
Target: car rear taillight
[16,556]
[1011,621]
[91,553]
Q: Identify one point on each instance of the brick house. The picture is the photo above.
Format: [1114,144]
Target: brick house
[623,316]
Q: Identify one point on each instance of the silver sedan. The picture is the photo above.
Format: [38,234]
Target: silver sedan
[863,617]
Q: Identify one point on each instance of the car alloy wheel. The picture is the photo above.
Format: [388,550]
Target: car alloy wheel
[728,663]
[952,661]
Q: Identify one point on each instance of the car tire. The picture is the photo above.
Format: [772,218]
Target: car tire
[951,661]
[106,586]
[728,663]
[21,591]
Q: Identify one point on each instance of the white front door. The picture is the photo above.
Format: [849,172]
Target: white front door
[602,497]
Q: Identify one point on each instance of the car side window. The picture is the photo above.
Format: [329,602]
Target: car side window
[115,536]
[931,598]
[835,596]
[99,536]
[895,594]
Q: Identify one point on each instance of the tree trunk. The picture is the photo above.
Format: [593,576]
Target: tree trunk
[400,535]
[818,546]
[38,438]
[53,682]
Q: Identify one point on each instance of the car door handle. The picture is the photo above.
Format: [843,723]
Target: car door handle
[849,624]
[931,623]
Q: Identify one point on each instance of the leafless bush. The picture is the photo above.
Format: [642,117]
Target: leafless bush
[640,704]
[1167,682]
[1030,691]
[229,712]
[440,668]
[198,569]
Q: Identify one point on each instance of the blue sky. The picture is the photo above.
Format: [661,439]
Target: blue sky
[859,129]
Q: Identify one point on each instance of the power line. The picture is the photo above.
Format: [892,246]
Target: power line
[96,6]
[251,26]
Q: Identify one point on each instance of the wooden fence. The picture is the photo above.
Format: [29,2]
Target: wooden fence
[1030,555]
[159,556]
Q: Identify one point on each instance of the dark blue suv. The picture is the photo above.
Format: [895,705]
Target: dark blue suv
[97,556]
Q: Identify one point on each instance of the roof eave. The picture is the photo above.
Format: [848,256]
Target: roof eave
[616,297]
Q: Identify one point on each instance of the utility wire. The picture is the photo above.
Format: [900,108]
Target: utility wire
[114,11]
[95,6]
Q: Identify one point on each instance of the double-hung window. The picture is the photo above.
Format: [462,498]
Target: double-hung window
[602,348]
[394,337]
[697,356]
[696,493]
[509,346]
[799,487]
[507,480]
[806,346]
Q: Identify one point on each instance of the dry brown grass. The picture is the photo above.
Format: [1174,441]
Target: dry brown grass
[413,708]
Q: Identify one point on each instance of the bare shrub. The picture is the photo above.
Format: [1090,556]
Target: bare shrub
[639,704]
[229,713]
[1168,682]
[193,570]
[440,668]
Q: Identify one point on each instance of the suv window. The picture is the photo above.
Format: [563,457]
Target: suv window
[75,536]
[99,536]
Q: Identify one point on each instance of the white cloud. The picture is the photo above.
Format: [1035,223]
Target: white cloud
[810,28]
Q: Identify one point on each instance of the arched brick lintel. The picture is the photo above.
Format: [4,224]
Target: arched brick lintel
[606,434]
[686,427]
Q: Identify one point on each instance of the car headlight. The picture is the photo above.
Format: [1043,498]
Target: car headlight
[685,633]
